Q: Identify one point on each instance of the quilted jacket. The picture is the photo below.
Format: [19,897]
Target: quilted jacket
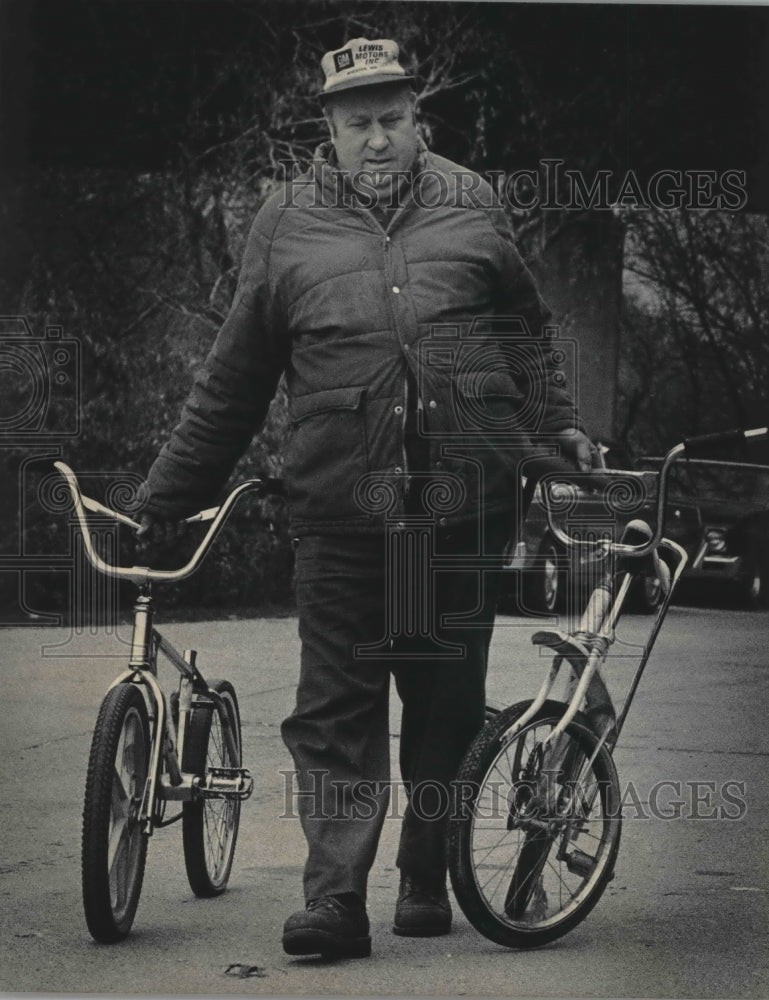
[344,302]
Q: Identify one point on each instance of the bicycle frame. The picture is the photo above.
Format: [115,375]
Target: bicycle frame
[586,648]
[535,843]
[166,781]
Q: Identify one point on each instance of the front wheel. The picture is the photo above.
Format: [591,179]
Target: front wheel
[534,841]
[210,825]
[114,847]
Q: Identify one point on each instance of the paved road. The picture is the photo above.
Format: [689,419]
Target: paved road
[686,915]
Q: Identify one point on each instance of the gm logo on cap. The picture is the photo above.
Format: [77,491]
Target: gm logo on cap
[343,60]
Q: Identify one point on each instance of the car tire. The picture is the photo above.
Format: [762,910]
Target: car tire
[752,588]
[547,583]
[648,594]
[507,598]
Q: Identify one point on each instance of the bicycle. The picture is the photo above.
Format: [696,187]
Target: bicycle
[535,833]
[150,749]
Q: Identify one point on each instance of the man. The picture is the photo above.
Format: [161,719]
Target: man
[373,282]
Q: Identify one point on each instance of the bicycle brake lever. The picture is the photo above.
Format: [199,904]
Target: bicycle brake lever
[97,508]
[203,515]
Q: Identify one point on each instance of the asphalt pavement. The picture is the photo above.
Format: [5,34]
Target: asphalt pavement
[686,915]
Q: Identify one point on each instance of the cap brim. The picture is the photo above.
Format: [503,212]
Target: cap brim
[369,81]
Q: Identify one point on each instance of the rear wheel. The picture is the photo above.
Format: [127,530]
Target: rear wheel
[114,848]
[210,825]
[534,843]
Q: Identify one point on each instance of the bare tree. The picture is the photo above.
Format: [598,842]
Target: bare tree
[696,343]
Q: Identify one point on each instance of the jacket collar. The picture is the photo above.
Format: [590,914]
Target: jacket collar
[335,182]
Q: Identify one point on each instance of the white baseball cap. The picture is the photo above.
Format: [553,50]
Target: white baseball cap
[362,62]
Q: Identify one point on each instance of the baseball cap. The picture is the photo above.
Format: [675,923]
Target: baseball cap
[362,62]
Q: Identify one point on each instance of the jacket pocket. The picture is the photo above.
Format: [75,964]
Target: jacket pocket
[487,403]
[327,452]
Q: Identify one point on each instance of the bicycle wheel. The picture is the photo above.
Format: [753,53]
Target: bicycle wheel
[114,848]
[534,842]
[210,825]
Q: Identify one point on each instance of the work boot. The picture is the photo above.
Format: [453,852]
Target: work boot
[330,926]
[422,910]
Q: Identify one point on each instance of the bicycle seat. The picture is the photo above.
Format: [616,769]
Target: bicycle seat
[565,645]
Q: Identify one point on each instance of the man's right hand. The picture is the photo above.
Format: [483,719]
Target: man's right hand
[156,530]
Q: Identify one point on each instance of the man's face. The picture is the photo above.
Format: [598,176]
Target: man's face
[374,130]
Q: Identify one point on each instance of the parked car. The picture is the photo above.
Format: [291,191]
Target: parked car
[719,512]
[541,576]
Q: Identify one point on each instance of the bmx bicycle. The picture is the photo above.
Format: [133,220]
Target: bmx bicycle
[151,750]
[536,828]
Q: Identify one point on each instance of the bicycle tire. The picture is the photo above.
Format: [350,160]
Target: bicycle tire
[493,843]
[210,826]
[114,848]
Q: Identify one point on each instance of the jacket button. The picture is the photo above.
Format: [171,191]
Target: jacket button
[400,525]
[442,521]
[432,404]
[398,409]
[396,289]
[398,469]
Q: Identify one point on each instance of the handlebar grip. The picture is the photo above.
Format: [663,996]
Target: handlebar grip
[552,468]
[704,444]
[272,488]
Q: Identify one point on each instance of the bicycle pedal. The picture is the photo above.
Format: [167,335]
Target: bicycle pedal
[226,783]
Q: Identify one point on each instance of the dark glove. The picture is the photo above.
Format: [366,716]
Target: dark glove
[157,530]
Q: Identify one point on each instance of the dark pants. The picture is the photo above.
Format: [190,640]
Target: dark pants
[370,606]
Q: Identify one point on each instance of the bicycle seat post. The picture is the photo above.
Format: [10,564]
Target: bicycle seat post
[142,630]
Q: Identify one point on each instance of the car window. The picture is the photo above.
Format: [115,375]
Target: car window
[717,482]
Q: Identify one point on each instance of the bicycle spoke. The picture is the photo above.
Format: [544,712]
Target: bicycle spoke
[120,798]
[117,837]
[215,828]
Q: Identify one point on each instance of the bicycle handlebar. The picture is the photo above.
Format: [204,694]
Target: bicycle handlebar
[689,446]
[556,470]
[143,574]
[704,443]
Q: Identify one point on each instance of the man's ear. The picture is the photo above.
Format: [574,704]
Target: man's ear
[328,114]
